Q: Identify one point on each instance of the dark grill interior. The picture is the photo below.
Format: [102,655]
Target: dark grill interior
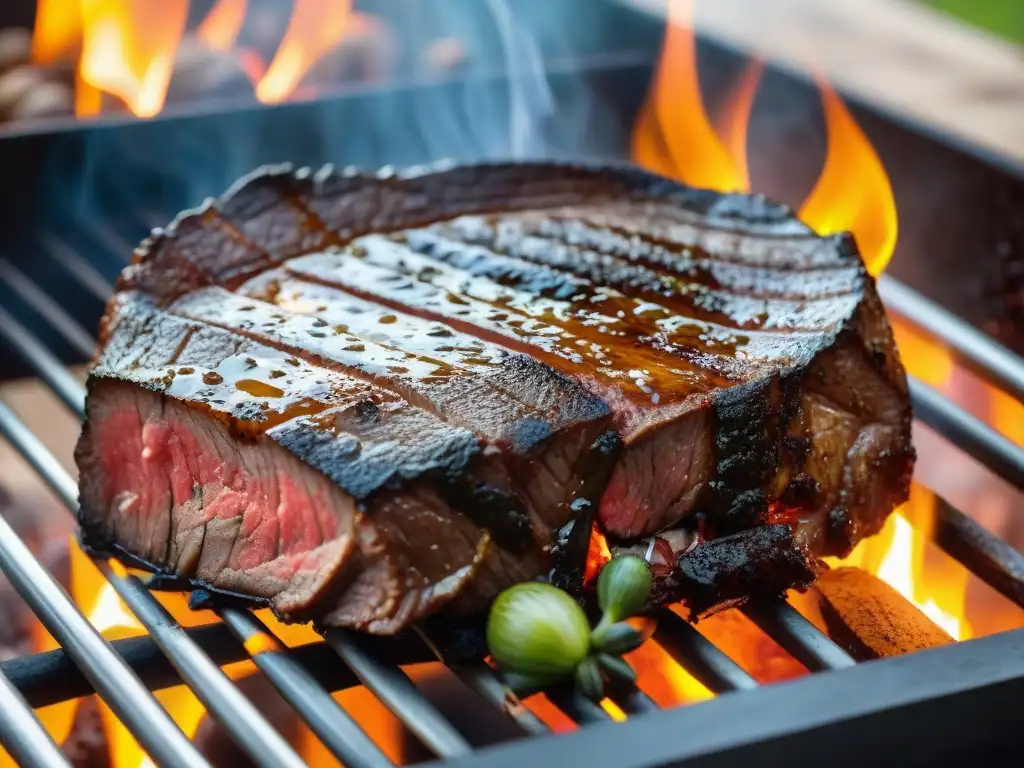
[941,703]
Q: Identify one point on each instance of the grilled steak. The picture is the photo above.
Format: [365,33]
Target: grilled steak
[372,398]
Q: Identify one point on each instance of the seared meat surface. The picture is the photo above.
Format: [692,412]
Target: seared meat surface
[370,399]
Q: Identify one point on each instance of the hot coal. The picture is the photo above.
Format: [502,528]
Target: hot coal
[372,399]
[215,743]
[86,745]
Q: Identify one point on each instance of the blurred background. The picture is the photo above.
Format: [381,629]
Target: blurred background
[1004,17]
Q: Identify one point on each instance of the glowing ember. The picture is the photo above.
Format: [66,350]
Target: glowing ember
[597,554]
[128,49]
[58,30]
[315,28]
[665,681]
[222,24]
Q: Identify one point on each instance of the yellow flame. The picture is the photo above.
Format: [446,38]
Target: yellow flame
[903,557]
[222,24]
[898,569]
[129,47]
[1007,415]
[673,135]
[853,192]
[315,28]
[58,30]
[921,356]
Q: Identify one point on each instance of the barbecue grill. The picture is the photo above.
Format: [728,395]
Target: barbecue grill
[932,707]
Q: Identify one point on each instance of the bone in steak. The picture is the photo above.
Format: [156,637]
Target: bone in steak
[373,398]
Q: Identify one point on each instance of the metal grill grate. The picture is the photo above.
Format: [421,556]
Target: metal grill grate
[123,672]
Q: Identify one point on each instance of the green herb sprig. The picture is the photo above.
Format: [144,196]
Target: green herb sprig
[539,635]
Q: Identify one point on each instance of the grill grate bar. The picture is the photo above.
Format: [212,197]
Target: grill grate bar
[81,268]
[482,679]
[632,700]
[797,636]
[578,707]
[990,558]
[21,733]
[50,677]
[396,691]
[50,369]
[106,236]
[38,457]
[699,656]
[206,679]
[987,358]
[330,722]
[107,672]
[212,687]
[56,315]
[970,434]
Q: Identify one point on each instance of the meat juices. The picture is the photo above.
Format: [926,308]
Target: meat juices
[369,399]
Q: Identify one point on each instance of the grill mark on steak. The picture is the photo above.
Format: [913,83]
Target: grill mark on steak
[571,335]
[456,376]
[615,329]
[793,423]
[551,423]
[571,227]
[206,550]
[666,230]
[679,290]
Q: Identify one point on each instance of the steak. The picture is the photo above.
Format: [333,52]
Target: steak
[368,399]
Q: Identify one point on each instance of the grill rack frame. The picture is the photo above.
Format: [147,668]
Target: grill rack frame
[995,665]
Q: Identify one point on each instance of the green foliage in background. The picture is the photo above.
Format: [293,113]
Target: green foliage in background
[1004,17]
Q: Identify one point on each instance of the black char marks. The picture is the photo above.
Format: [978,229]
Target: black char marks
[467,365]
[763,561]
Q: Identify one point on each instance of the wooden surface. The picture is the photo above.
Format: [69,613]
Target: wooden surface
[896,53]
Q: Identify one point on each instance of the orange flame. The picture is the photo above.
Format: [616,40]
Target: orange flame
[921,356]
[315,27]
[128,50]
[1007,413]
[673,135]
[58,30]
[735,118]
[853,192]
[901,555]
[222,24]
[107,613]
